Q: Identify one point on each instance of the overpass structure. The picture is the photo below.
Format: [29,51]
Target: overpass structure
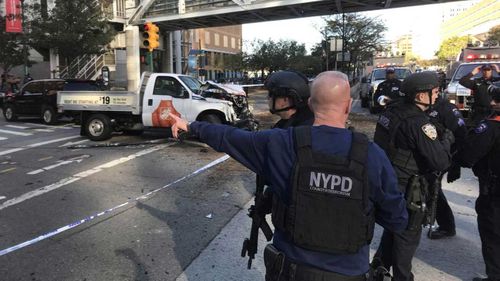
[173,15]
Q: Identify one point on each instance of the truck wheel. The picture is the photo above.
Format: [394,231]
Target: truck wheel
[211,118]
[98,127]
[9,112]
[48,115]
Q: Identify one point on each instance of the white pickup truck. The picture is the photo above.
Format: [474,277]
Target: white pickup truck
[103,112]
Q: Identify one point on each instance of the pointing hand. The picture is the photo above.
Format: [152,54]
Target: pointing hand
[179,124]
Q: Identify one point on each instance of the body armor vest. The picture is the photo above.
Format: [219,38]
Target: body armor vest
[329,205]
[493,162]
[401,158]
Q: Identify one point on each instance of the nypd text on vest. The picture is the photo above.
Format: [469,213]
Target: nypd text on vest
[330,183]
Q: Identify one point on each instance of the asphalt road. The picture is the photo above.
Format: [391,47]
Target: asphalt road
[46,184]
[52,181]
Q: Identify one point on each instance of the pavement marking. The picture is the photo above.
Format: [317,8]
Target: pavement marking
[44,130]
[2,138]
[61,163]
[48,126]
[15,133]
[45,158]
[17,127]
[79,176]
[35,145]
[7,170]
[73,143]
[89,218]
[2,197]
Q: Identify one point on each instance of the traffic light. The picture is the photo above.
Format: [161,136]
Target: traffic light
[151,36]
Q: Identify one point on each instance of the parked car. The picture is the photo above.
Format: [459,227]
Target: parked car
[39,98]
[364,90]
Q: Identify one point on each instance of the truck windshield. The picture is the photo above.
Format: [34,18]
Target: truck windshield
[401,73]
[192,83]
[465,69]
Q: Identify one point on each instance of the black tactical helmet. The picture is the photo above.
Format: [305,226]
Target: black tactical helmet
[288,84]
[419,82]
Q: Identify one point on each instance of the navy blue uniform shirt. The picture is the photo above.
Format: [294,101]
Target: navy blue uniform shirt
[271,153]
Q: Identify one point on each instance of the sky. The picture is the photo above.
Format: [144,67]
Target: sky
[422,21]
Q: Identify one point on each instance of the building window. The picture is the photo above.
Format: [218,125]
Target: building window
[207,37]
[225,41]
[216,39]
[233,42]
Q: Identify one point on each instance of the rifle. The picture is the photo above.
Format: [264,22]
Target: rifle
[258,215]
[434,188]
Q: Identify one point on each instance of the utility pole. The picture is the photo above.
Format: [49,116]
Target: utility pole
[25,37]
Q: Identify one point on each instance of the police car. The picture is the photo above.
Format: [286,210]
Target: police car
[460,95]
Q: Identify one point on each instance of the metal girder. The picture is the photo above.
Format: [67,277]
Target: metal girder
[232,12]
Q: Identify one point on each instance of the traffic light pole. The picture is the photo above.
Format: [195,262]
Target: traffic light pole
[150,60]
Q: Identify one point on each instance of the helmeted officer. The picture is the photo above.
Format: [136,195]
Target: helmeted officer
[416,151]
[329,186]
[446,115]
[389,89]
[481,151]
[287,97]
[479,86]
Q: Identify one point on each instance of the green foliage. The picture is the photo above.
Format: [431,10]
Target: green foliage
[273,56]
[11,51]
[74,28]
[451,47]
[494,36]
[362,36]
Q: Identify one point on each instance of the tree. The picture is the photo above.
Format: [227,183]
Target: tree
[362,36]
[451,47]
[272,56]
[11,52]
[493,36]
[74,28]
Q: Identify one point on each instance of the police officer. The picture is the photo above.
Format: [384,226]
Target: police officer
[446,115]
[479,86]
[416,150]
[287,98]
[481,151]
[330,185]
[390,87]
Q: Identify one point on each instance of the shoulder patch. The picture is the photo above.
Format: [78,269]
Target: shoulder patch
[384,121]
[433,113]
[482,127]
[461,122]
[430,131]
[457,113]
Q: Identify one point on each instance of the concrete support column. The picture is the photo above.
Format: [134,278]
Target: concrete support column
[178,51]
[169,56]
[54,63]
[133,57]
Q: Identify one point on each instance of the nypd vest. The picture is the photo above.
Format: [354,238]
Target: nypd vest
[391,122]
[328,209]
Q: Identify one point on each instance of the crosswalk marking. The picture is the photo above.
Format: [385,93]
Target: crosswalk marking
[48,126]
[15,133]
[36,145]
[16,127]
[44,130]
[2,138]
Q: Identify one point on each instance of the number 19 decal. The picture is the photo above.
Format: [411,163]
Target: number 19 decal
[105,100]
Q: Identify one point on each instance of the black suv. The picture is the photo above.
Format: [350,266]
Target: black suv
[39,98]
